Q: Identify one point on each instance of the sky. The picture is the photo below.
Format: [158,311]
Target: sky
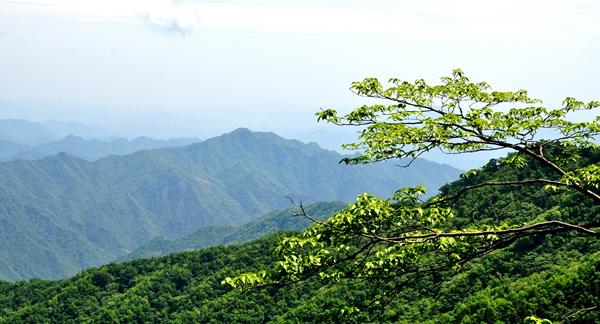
[182,68]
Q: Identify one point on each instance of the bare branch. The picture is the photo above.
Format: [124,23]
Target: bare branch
[537,228]
[593,308]
[461,192]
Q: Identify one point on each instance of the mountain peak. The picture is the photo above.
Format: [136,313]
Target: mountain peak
[245,135]
[242,131]
[72,137]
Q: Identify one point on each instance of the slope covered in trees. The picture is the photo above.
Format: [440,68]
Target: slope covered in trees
[555,277]
[61,214]
[211,235]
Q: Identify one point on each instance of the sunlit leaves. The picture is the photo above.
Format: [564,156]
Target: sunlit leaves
[404,235]
[371,237]
[456,116]
[537,320]
[588,176]
[245,279]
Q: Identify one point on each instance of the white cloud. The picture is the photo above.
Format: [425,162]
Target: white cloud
[172,19]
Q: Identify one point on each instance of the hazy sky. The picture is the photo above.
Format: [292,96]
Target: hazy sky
[272,64]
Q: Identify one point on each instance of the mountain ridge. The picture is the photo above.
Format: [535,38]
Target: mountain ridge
[99,210]
[89,149]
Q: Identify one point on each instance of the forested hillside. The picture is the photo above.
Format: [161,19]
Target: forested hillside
[555,277]
[210,235]
[61,214]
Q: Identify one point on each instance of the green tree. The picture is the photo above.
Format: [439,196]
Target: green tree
[403,238]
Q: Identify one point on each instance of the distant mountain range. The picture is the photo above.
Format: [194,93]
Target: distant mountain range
[24,132]
[25,140]
[9,149]
[61,214]
[93,149]
[30,133]
[212,235]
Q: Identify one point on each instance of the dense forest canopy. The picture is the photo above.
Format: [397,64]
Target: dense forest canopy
[552,276]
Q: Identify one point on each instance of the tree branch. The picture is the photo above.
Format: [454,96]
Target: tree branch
[593,308]
[537,228]
[495,183]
